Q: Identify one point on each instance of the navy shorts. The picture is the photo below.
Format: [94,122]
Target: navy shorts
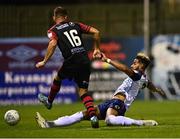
[116,104]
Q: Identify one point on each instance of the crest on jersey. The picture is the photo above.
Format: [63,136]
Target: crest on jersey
[71,24]
[117,107]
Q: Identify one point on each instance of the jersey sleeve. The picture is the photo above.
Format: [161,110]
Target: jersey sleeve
[136,76]
[84,28]
[52,35]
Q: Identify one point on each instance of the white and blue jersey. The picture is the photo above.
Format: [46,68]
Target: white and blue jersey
[131,86]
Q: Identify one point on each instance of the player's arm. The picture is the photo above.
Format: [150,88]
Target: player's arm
[153,88]
[50,50]
[96,35]
[118,65]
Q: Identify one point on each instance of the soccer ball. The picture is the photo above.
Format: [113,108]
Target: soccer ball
[11,117]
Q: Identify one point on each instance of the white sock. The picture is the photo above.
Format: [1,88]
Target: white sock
[69,120]
[122,120]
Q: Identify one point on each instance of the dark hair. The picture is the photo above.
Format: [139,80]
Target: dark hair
[60,11]
[143,59]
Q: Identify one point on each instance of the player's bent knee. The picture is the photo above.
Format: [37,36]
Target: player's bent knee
[110,120]
[113,120]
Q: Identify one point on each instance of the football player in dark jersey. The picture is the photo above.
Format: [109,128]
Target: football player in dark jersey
[67,36]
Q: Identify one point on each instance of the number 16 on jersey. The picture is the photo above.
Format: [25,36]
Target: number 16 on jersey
[73,37]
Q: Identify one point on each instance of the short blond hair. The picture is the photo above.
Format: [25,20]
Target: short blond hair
[144,59]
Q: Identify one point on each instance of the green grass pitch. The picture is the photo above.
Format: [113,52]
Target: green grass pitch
[167,113]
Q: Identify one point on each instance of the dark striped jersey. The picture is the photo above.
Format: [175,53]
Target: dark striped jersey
[69,40]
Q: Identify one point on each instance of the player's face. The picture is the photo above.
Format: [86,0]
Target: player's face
[136,65]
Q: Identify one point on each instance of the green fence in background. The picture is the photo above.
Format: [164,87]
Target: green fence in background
[111,19]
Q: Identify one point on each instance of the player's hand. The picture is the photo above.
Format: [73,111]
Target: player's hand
[97,54]
[40,64]
[103,57]
[160,91]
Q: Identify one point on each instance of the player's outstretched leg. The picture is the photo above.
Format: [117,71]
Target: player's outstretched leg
[60,122]
[149,123]
[41,121]
[42,98]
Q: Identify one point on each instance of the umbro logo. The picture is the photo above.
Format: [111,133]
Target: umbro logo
[22,53]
